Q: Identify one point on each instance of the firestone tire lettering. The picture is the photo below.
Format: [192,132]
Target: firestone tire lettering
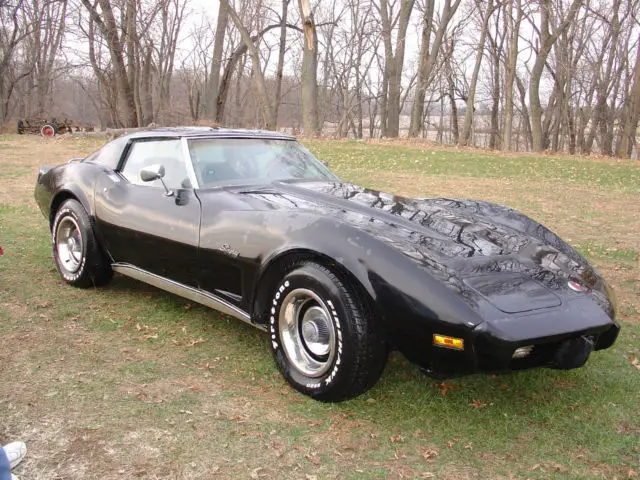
[360,351]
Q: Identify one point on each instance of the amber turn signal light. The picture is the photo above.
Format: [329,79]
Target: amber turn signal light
[448,342]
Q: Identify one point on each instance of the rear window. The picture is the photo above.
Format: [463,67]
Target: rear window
[110,154]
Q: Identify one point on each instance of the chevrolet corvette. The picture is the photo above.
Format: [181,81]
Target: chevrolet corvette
[251,224]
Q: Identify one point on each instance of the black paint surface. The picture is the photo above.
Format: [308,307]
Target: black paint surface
[469,269]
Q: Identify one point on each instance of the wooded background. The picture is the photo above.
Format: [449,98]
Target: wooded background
[560,75]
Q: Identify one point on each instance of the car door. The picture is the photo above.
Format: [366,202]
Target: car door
[140,223]
[227,256]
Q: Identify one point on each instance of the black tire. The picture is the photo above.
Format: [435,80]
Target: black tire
[357,351]
[80,260]
[20,127]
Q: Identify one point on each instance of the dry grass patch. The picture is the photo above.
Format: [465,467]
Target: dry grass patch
[575,212]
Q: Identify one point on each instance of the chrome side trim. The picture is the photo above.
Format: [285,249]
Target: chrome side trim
[193,294]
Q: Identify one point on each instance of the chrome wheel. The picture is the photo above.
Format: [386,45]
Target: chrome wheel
[307,332]
[69,246]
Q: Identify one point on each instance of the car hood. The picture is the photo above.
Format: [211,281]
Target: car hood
[468,244]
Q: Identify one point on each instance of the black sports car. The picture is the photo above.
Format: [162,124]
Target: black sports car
[251,224]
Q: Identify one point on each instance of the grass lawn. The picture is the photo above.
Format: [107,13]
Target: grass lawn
[131,382]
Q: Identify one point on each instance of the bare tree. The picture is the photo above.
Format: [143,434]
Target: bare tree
[281,51]
[468,115]
[513,27]
[394,62]
[449,71]
[549,33]
[171,17]
[569,80]
[214,76]
[102,14]
[12,33]
[428,56]
[258,75]
[195,67]
[631,112]
[47,21]
[309,84]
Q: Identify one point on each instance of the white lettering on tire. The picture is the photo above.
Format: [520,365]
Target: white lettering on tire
[336,321]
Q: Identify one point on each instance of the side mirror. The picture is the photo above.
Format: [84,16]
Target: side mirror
[152,172]
[155,172]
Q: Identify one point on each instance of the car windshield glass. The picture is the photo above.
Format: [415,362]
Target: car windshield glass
[225,161]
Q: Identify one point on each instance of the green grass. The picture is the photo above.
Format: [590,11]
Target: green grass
[594,251]
[134,380]
[354,156]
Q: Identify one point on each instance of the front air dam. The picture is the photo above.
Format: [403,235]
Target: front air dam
[572,353]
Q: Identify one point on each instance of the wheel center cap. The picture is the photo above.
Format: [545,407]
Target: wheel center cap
[310,331]
[315,331]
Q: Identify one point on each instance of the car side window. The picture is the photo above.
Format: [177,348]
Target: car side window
[167,153]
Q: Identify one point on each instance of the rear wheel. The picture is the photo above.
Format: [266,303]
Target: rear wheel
[80,260]
[323,336]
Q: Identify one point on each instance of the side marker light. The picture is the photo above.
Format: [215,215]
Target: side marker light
[448,342]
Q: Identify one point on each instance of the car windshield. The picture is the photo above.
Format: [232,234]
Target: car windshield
[228,161]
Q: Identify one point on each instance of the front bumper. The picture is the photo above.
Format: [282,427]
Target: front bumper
[560,338]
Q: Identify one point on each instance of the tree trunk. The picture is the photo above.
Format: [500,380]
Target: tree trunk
[468,114]
[281,51]
[452,94]
[511,71]
[631,114]
[146,90]
[428,58]
[309,85]
[497,45]
[494,140]
[229,69]
[107,24]
[384,103]
[524,116]
[260,85]
[547,39]
[216,62]
[454,117]
[130,40]
[4,100]
[394,64]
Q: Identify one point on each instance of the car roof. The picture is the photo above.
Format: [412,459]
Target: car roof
[206,132]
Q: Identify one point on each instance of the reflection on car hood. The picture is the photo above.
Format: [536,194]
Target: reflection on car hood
[455,239]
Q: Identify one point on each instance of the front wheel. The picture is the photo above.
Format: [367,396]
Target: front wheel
[323,336]
[80,260]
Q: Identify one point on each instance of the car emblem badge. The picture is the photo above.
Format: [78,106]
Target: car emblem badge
[575,286]
[226,249]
